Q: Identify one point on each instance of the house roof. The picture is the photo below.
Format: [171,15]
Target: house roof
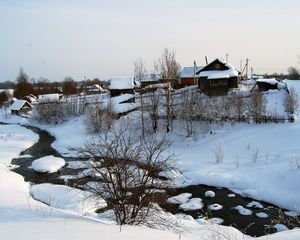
[52,97]
[122,83]
[188,72]
[150,77]
[272,81]
[216,74]
[19,104]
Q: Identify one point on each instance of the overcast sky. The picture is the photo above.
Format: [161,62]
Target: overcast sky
[59,38]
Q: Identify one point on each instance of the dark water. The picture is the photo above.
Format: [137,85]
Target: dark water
[250,225]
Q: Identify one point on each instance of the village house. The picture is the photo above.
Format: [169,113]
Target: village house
[122,85]
[217,77]
[49,98]
[95,89]
[20,106]
[188,76]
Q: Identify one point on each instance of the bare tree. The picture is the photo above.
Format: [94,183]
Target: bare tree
[168,68]
[100,117]
[291,101]
[52,113]
[167,65]
[139,75]
[257,106]
[69,86]
[127,169]
[187,111]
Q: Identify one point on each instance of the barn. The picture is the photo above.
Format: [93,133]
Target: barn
[20,106]
[188,76]
[268,84]
[217,77]
[122,85]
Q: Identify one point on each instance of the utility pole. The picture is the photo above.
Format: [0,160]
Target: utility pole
[247,65]
[241,66]
[251,72]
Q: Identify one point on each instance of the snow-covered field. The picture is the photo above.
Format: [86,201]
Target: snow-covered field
[260,161]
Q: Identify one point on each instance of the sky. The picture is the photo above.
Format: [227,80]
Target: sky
[54,39]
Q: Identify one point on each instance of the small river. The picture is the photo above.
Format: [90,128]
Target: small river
[249,224]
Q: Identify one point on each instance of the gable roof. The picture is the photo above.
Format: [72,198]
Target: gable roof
[122,83]
[19,104]
[150,77]
[188,72]
[228,70]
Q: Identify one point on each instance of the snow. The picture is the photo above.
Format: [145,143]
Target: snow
[13,140]
[262,215]
[280,227]
[255,204]
[217,220]
[231,195]
[18,104]
[210,194]
[272,178]
[243,211]
[272,81]
[122,83]
[67,198]
[48,164]
[179,199]
[192,204]
[215,207]
[47,98]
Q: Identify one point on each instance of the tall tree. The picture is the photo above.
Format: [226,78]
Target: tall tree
[139,75]
[167,65]
[23,87]
[69,86]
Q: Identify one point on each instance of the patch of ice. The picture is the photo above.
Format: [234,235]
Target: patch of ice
[231,195]
[255,204]
[262,215]
[215,207]
[192,205]
[179,199]
[48,164]
[210,194]
[243,211]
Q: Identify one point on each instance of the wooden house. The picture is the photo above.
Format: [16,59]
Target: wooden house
[188,76]
[122,85]
[20,106]
[217,77]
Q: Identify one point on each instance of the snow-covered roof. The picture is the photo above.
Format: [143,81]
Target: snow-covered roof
[18,104]
[272,81]
[122,83]
[214,74]
[188,72]
[150,77]
[52,97]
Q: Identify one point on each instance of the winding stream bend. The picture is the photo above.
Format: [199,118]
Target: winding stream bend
[249,224]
